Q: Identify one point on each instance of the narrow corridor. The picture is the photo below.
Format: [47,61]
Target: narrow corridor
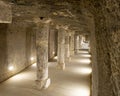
[73,81]
[40,30]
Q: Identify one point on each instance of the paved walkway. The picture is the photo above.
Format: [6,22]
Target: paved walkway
[73,81]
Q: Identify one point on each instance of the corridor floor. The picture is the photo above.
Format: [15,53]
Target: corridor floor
[73,81]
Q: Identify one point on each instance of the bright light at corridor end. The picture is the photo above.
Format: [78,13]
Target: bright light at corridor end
[55,57]
[85,70]
[86,55]
[10,68]
[34,65]
[83,51]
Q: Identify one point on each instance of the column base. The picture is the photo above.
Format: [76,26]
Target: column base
[43,84]
[61,66]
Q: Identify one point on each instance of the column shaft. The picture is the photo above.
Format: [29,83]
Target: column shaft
[61,48]
[72,44]
[42,56]
[76,44]
[67,48]
[80,42]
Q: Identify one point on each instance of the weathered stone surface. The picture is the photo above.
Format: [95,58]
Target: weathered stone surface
[67,48]
[61,48]
[77,43]
[72,44]
[20,47]
[95,75]
[3,50]
[42,55]
[5,13]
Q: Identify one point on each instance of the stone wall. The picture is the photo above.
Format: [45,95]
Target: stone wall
[108,53]
[3,50]
[17,48]
[115,62]
[106,17]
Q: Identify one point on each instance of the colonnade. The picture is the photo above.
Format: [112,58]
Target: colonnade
[68,45]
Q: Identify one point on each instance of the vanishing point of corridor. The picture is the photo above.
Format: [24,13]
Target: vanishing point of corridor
[73,81]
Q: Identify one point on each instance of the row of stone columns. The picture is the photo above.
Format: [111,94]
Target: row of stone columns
[79,42]
[65,50]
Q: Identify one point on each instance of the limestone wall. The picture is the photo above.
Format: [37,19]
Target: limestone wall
[3,50]
[17,48]
[106,16]
[108,53]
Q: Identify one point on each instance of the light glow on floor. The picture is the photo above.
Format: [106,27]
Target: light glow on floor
[34,65]
[18,77]
[82,91]
[85,70]
[55,57]
[86,61]
[21,77]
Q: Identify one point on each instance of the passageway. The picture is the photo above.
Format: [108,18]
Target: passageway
[74,81]
[40,30]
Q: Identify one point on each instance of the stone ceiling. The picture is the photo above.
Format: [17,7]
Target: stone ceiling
[62,12]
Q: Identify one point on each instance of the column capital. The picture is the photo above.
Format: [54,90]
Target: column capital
[43,20]
[72,33]
[67,33]
[65,27]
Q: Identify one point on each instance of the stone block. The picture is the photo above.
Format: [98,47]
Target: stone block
[5,13]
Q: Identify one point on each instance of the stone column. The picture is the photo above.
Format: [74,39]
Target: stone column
[67,48]
[43,81]
[76,43]
[61,49]
[72,44]
[80,40]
